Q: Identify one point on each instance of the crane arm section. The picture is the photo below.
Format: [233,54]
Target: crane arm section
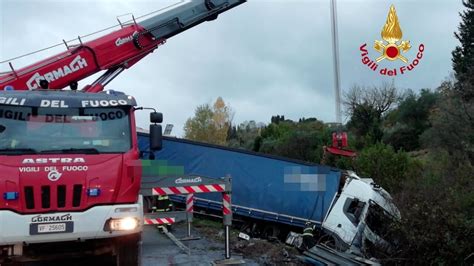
[115,51]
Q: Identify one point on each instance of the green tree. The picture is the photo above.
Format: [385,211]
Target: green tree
[365,123]
[452,126]
[209,124]
[244,135]
[301,140]
[201,127]
[366,108]
[437,210]
[463,55]
[404,125]
[387,167]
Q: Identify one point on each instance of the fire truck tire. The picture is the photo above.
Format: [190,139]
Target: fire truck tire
[129,250]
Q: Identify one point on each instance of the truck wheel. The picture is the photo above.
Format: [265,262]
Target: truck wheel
[271,231]
[332,242]
[129,250]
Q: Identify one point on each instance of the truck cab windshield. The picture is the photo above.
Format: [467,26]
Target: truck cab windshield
[27,130]
[379,220]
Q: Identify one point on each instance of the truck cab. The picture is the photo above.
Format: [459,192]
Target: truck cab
[360,214]
[69,177]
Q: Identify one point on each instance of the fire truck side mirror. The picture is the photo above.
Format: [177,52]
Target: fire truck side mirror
[156,137]
[156,117]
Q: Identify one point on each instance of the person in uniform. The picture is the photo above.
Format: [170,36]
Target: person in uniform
[308,236]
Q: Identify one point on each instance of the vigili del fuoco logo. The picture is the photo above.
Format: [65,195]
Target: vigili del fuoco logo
[391,48]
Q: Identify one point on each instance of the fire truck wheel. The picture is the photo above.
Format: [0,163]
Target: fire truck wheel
[128,250]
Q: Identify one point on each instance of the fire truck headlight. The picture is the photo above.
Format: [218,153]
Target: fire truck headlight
[122,224]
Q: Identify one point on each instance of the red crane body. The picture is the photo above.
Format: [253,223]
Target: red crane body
[108,52]
[115,51]
[339,145]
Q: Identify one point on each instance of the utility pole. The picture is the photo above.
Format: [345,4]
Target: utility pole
[335,52]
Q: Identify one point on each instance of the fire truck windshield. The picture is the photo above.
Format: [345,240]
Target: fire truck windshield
[26,130]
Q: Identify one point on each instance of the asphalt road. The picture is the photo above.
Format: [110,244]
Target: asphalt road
[158,249]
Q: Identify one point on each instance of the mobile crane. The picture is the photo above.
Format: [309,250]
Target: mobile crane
[69,184]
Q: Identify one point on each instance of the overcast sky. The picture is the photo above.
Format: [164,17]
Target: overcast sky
[265,57]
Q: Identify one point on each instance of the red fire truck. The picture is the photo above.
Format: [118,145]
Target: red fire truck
[69,180]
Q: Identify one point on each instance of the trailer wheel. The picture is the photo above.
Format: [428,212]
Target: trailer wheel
[271,231]
[128,250]
[331,242]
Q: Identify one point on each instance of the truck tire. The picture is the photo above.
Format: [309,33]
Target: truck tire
[128,250]
[271,231]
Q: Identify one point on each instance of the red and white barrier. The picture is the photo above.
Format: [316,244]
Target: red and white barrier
[225,188]
[226,204]
[189,203]
[187,189]
[159,221]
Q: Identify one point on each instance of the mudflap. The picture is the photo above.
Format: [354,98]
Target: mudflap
[128,249]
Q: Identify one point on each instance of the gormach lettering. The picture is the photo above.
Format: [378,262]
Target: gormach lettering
[188,180]
[76,64]
[45,219]
[124,40]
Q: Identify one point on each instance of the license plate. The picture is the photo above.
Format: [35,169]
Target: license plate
[51,228]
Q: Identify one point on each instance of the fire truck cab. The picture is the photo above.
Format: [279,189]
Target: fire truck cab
[70,176]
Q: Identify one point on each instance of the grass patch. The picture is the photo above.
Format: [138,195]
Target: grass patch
[199,222]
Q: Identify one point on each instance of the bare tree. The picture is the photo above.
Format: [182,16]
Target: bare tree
[378,98]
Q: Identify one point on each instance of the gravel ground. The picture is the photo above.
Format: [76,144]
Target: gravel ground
[259,251]
[158,249]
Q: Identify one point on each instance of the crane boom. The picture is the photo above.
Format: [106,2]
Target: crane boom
[115,51]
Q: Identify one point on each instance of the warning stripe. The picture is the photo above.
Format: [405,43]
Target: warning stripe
[159,221]
[190,203]
[158,191]
[187,189]
[205,188]
[175,190]
[216,187]
[226,206]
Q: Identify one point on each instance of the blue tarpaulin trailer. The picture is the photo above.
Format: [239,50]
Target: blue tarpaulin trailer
[264,187]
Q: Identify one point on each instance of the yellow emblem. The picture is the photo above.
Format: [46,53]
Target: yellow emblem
[392,34]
